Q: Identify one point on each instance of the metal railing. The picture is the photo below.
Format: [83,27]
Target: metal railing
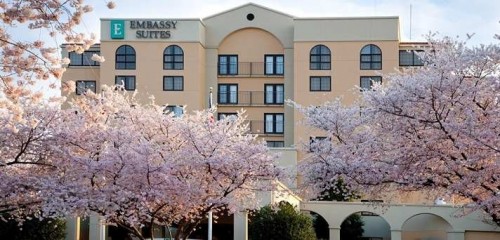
[251,69]
[258,127]
[251,98]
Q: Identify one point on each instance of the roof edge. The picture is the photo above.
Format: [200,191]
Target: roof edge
[245,5]
[155,18]
[347,18]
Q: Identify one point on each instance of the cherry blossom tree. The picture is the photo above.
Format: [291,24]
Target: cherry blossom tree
[26,158]
[27,60]
[432,127]
[137,166]
[29,57]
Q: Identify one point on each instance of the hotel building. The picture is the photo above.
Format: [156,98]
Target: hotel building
[254,58]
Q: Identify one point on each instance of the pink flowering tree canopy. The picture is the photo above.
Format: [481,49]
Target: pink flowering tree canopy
[26,158]
[137,166]
[431,127]
[29,40]
[30,35]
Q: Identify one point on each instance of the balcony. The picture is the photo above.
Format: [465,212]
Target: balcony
[258,127]
[251,69]
[251,98]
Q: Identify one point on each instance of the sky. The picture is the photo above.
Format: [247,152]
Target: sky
[454,18]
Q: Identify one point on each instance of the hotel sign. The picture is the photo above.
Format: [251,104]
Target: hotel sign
[144,29]
[117,29]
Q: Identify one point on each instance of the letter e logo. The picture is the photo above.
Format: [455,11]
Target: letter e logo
[117,29]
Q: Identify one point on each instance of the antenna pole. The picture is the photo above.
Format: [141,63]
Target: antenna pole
[410,19]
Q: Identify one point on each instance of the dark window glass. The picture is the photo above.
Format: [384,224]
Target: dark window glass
[173,83]
[410,58]
[228,65]
[371,58]
[83,85]
[173,58]
[366,82]
[320,58]
[274,64]
[322,84]
[275,144]
[227,94]
[274,122]
[274,93]
[178,111]
[84,59]
[125,57]
[128,82]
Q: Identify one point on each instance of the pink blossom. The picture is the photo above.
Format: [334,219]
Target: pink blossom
[97,58]
[432,127]
[111,5]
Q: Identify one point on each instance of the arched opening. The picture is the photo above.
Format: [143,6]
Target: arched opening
[365,226]
[425,226]
[321,226]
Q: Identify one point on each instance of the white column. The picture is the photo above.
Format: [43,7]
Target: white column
[396,234]
[72,228]
[334,233]
[210,222]
[240,225]
[456,235]
[97,229]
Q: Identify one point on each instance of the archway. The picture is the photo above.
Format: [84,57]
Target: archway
[365,225]
[425,226]
[321,226]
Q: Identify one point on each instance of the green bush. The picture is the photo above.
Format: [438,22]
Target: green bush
[284,223]
[34,229]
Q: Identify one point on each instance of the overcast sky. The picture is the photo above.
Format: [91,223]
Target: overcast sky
[447,17]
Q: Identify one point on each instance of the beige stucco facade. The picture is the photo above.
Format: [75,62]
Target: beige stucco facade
[272,50]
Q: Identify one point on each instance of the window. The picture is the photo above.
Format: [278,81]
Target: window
[228,94]
[173,83]
[372,200]
[410,58]
[274,94]
[274,64]
[173,58]
[84,59]
[366,83]
[366,213]
[274,122]
[275,144]
[125,57]
[221,116]
[320,84]
[178,111]
[315,143]
[320,58]
[371,58]
[84,85]
[128,82]
[228,65]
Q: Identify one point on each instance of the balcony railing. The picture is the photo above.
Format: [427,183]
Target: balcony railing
[251,69]
[258,127]
[251,98]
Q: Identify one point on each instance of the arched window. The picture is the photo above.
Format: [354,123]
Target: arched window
[173,58]
[371,58]
[320,58]
[125,57]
